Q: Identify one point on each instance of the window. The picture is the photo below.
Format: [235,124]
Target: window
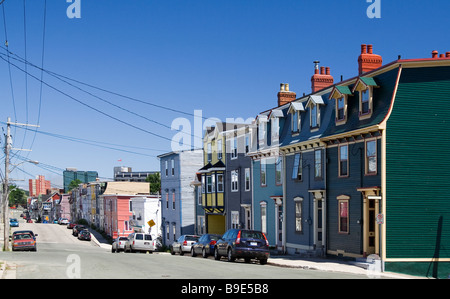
[298,214]
[343,215]
[234,219]
[173,199]
[295,121]
[130,206]
[278,169]
[314,114]
[297,170]
[167,167]
[275,130]
[234,148]
[219,149]
[262,132]
[174,232]
[220,182]
[213,183]
[318,164]
[247,179]
[247,143]
[173,167]
[263,210]
[208,184]
[203,184]
[263,172]
[371,157]
[343,160]
[234,180]
[167,231]
[341,109]
[365,101]
[209,149]
[167,199]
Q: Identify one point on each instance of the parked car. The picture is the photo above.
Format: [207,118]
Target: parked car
[205,245]
[71,225]
[240,243]
[13,222]
[77,228]
[183,244]
[139,242]
[23,241]
[119,244]
[84,235]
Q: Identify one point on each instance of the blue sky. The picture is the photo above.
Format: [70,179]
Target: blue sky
[225,58]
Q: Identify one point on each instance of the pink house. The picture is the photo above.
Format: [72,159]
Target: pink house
[117,206]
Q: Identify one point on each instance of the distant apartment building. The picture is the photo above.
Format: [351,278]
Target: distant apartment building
[71,174]
[126,174]
[39,186]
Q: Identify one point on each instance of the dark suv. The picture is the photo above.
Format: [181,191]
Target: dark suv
[241,243]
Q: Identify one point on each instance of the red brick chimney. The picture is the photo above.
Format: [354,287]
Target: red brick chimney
[321,80]
[367,60]
[284,95]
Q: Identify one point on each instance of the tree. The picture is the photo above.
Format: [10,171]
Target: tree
[17,196]
[74,184]
[155,182]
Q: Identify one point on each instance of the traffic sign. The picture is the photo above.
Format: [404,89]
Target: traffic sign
[151,223]
[380,218]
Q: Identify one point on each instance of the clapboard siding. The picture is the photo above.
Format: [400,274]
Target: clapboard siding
[418,166]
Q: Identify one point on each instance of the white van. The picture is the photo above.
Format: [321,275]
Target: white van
[139,242]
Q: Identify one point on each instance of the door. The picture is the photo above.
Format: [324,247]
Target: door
[371,226]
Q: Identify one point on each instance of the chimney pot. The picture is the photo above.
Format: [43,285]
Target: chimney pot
[327,70]
[370,49]
[284,95]
[286,87]
[363,48]
[441,55]
[447,54]
[434,54]
[281,86]
[322,70]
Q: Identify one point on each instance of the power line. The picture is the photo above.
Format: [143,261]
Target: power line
[89,106]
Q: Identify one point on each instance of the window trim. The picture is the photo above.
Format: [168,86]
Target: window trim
[340,174]
[343,199]
[368,114]
[279,164]
[298,200]
[343,120]
[366,157]
[320,177]
[235,180]
[247,176]
[297,168]
[263,184]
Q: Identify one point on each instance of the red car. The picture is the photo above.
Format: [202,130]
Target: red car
[23,241]
[71,225]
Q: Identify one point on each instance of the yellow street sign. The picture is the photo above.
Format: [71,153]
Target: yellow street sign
[151,223]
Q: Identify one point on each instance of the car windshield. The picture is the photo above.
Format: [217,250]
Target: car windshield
[214,237]
[13,220]
[123,238]
[22,236]
[252,234]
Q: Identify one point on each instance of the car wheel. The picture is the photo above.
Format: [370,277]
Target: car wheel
[216,254]
[230,257]
[193,254]
[112,250]
[263,261]
[171,251]
[204,254]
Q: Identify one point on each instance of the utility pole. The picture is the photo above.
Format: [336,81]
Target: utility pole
[5,209]
[5,206]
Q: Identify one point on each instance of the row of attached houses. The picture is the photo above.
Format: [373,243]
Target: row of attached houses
[118,208]
[354,168]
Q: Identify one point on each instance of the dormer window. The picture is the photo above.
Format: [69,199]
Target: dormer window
[340,95]
[314,103]
[365,86]
[294,111]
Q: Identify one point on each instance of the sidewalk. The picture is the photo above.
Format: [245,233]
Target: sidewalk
[332,265]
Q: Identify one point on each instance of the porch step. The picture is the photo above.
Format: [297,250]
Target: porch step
[365,262]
